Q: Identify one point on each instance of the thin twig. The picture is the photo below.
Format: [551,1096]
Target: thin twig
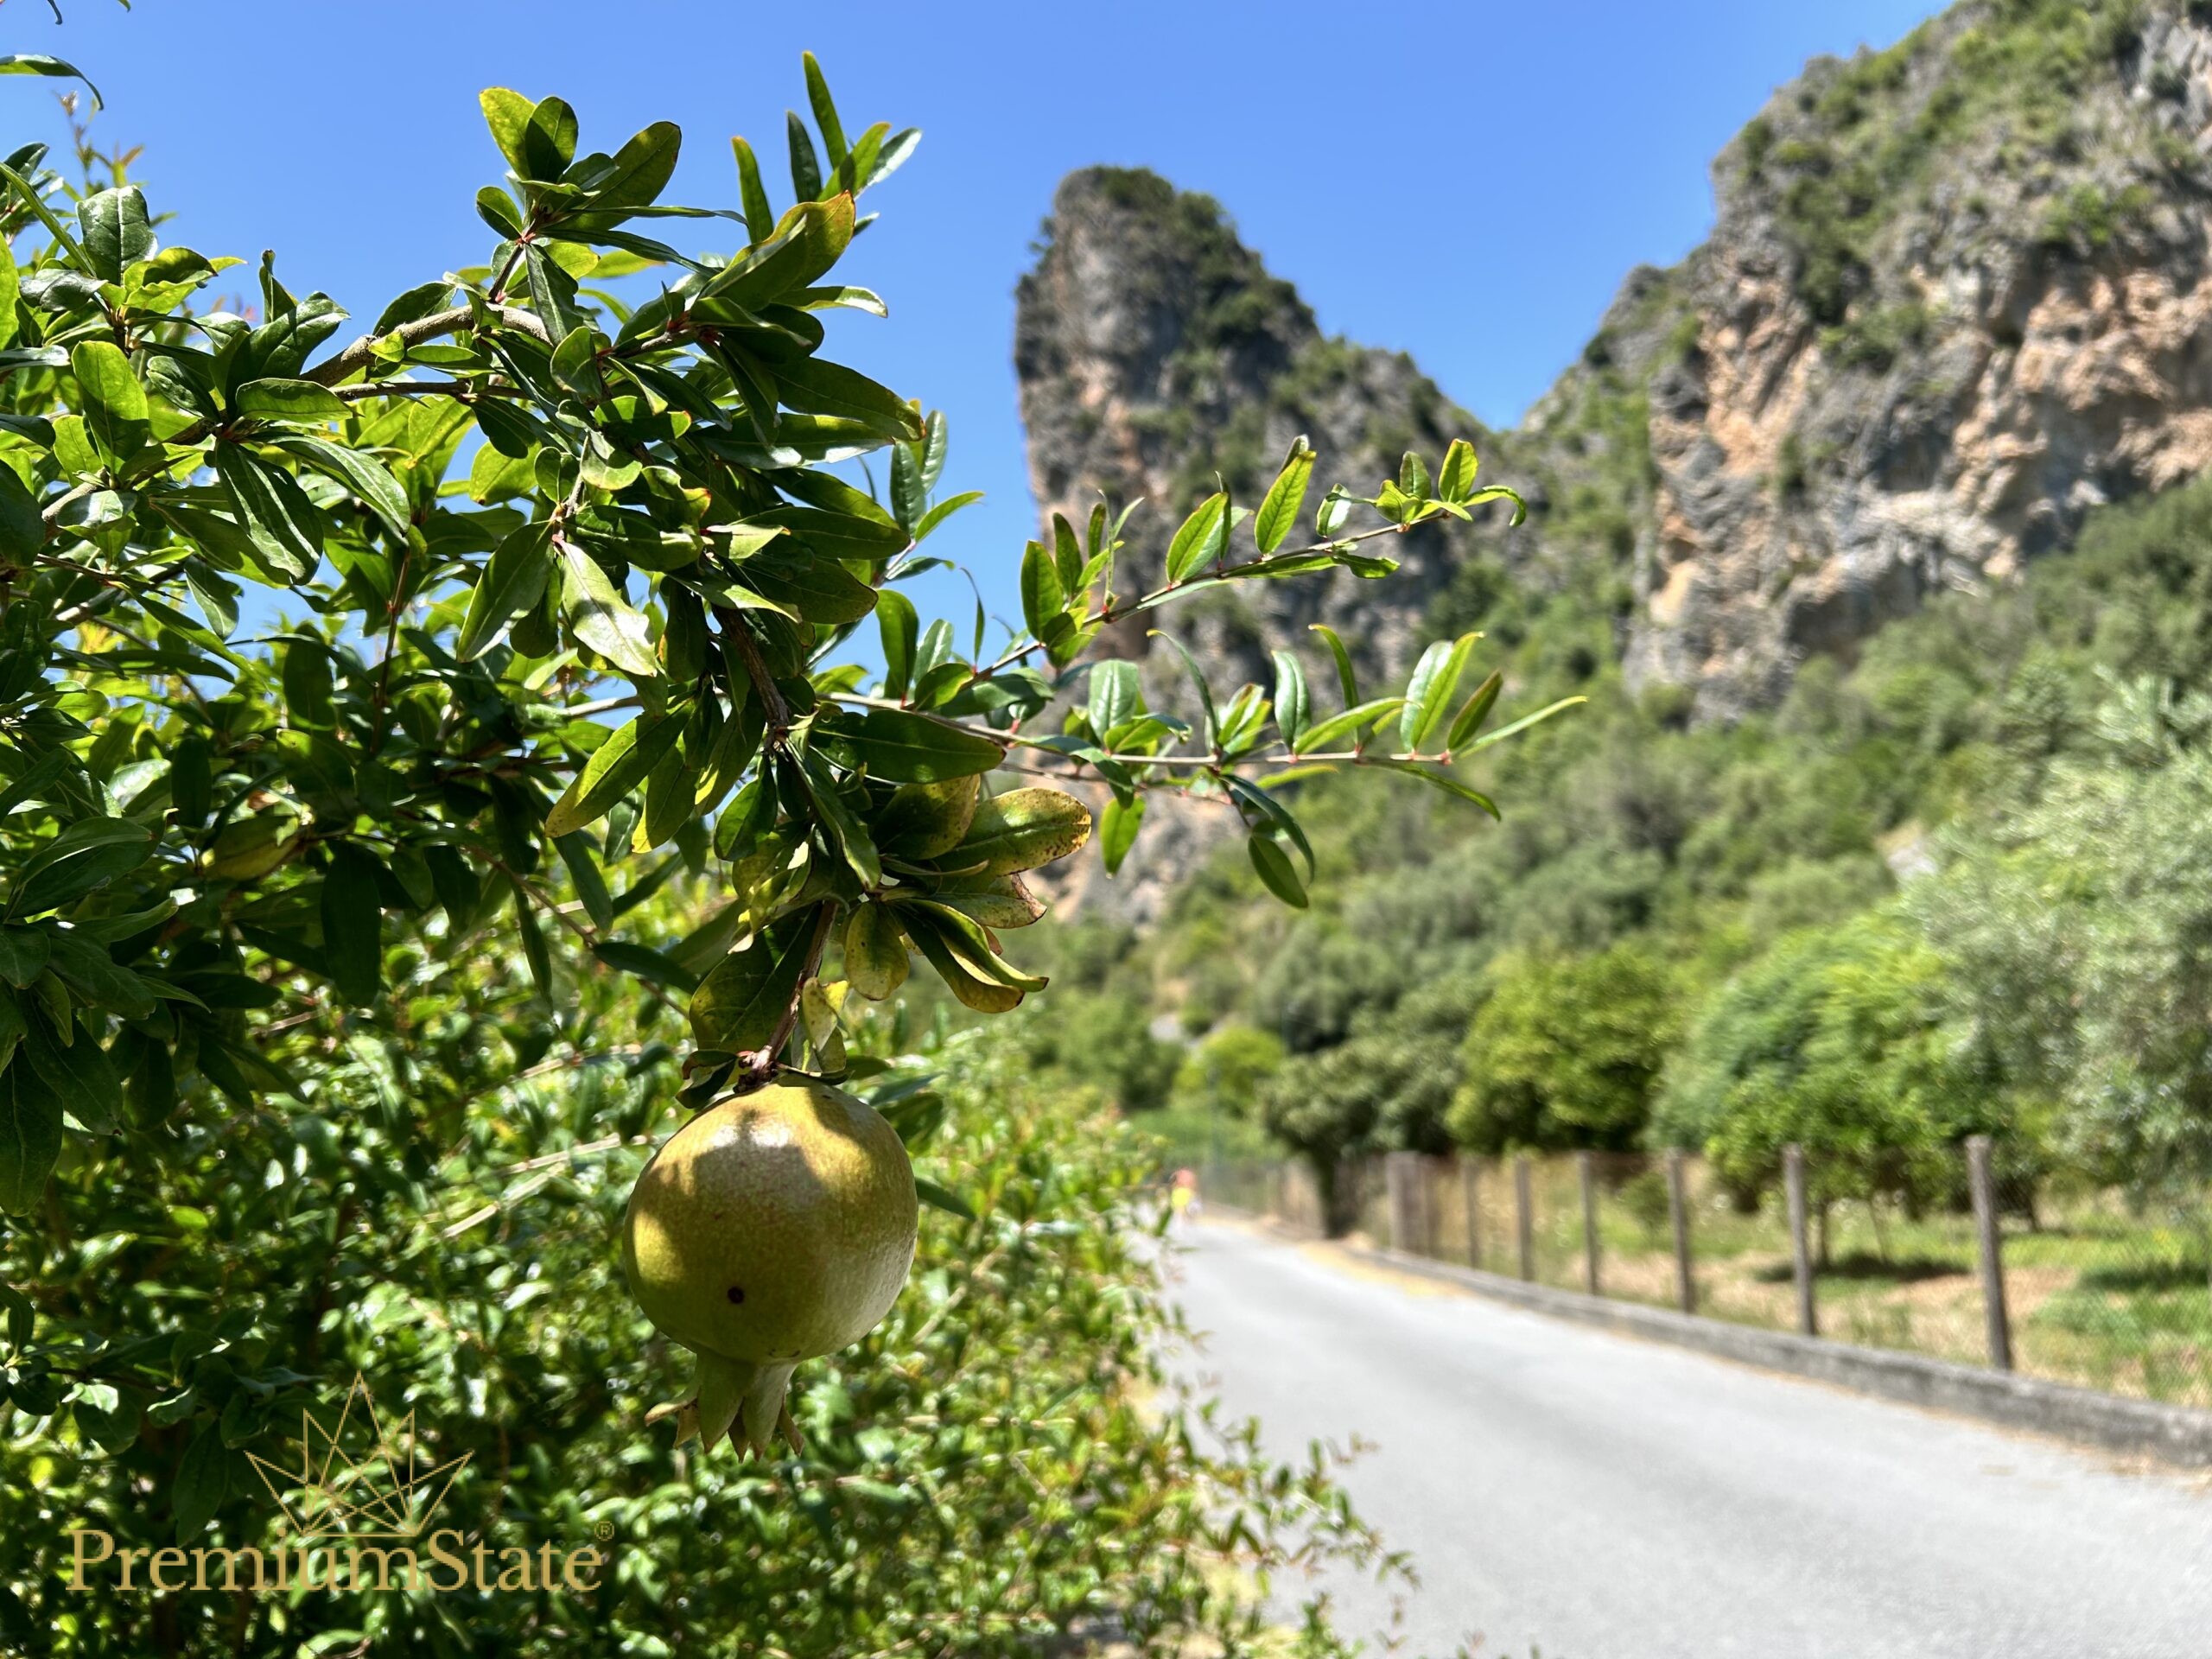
[437,324]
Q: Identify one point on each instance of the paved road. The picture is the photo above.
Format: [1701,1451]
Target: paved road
[1600,1497]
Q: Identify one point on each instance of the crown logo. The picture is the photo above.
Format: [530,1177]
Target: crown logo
[368,1484]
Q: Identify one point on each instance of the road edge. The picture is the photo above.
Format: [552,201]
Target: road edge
[2174,1434]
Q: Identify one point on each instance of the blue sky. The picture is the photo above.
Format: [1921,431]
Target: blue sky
[1465,182]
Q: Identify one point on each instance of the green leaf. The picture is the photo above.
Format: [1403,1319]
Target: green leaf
[1500,492]
[1276,870]
[1455,480]
[1338,728]
[1198,682]
[875,951]
[22,532]
[1474,711]
[844,831]
[904,747]
[806,167]
[938,934]
[23,952]
[1044,601]
[818,388]
[1522,724]
[1345,678]
[643,167]
[89,854]
[38,63]
[1067,554]
[115,229]
[1022,829]
[898,625]
[944,510]
[577,853]
[1202,537]
[1293,706]
[507,113]
[739,1005]
[1429,692]
[1116,695]
[203,1480]
[642,961]
[352,923]
[759,217]
[76,1072]
[82,962]
[1117,831]
[600,616]
[283,522]
[513,581]
[939,1198]
[302,401]
[533,940]
[1329,517]
[1443,781]
[116,412]
[550,140]
[926,820]
[30,1138]
[1278,511]
[825,112]
[820,590]
[615,768]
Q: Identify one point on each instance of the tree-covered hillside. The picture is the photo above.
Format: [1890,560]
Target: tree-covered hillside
[1963,883]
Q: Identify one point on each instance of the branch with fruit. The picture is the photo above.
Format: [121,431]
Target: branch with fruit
[305,665]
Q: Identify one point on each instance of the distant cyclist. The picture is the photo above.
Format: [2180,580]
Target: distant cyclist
[1184,1196]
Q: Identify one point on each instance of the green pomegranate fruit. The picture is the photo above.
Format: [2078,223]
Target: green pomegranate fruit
[777,1227]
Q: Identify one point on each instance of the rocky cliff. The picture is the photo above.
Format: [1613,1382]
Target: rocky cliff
[1154,351]
[1954,297]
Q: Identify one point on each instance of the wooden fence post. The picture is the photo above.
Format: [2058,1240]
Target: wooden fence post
[1586,1173]
[1793,1181]
[1398,1182]
[1469,1188]
[1524,1223]
[1678,1213]
[1990,1249]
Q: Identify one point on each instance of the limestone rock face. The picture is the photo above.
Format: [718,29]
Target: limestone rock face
[1863,407]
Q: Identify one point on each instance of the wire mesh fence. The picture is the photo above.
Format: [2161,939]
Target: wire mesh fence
[2080,1283]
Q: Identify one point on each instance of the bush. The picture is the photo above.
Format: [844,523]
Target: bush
[1012,1394]
[1228,1068]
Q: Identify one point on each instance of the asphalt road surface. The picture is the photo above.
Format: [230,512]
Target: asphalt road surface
[1593,1497]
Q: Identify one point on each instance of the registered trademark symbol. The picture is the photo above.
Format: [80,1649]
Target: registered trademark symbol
[605,1530]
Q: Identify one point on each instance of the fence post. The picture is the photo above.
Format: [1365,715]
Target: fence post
[1397,1177]
[1585,1172]
[1678,1213]
[1524,1223]
[1793,1181]
[1470,1187]
[1990,1248]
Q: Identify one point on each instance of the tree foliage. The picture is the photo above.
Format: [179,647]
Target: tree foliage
[1565,1052]
[427,761]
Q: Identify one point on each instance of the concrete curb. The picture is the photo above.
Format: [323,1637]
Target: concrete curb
[2175,1434]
